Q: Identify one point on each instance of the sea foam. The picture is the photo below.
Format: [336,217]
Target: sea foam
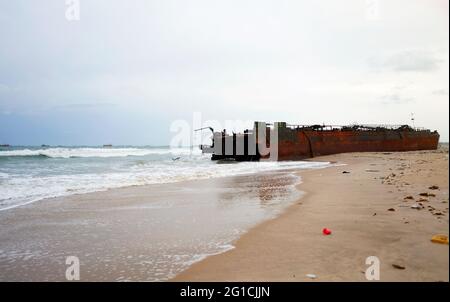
[28,175]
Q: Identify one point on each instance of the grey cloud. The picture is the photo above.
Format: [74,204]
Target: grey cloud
[84,105]
[395,98]
[4,88]
[409,60]
[440,92]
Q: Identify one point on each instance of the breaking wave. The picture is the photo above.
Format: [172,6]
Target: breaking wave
[31,174]
[93,152]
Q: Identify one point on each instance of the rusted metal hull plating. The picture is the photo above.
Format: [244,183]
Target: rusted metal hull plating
[294,143]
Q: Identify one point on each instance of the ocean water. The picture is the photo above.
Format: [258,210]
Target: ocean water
[29,174]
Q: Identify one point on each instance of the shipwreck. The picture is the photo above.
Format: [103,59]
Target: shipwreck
[282,141]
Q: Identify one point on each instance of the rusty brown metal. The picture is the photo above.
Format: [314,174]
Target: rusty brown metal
[300,142]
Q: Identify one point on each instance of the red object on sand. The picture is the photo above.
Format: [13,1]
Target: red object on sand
[326,231]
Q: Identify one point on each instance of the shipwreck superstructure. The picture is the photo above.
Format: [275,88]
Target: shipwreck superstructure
[281,141]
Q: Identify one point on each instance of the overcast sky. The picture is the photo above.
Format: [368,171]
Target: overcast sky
[126,69]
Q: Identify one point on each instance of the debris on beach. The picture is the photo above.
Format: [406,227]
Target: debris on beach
[439,238]
[389,179]
[423,200]
[326,231]
[417,206]
[426,194]
[433,187]
[391,209]
[408,197]
[311,276]
[345,172]
[372,170]
[397,266]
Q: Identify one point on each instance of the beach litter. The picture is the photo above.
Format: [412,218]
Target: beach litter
[443,239]
[391,209]
[311,276]
[427,194]
[433,188]
[409,197]
[397,266]
[326,231]
[345,172]
[416,206]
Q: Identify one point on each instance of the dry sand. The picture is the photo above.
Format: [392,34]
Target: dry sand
[355,206]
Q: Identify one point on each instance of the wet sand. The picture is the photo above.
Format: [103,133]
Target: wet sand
[368,215]
[141,233]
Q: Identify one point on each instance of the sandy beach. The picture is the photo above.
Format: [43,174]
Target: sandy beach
[368,215]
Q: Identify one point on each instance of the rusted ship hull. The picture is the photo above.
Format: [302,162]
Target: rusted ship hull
[306,144]
[283,142]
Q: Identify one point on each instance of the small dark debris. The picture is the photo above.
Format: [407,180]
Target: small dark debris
[428,194]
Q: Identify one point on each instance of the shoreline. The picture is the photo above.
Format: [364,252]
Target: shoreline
[139,233]
[363,224]
[188,180]
[286,245]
